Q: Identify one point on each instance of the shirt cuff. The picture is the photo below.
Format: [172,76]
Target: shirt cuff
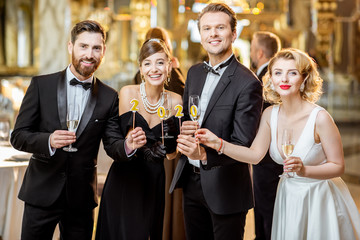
[51,150]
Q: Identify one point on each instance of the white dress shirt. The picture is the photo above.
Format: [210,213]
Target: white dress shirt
[76,96]
[211,82]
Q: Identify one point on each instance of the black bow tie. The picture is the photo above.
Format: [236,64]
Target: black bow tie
[208,68]
[85,85]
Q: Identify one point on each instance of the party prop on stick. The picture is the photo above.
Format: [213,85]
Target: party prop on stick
[161,113]
[194,115]
[134,109]
[179,114]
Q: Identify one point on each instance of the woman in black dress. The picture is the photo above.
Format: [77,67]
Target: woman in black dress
[132,203]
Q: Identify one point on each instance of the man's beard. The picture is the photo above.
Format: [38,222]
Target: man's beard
[85,71]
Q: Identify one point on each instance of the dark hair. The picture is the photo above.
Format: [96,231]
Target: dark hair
[87,26]
[160,33]
[152,46]
[268,42]
[219,7]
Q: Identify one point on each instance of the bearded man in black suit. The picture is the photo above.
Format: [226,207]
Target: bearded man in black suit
[217,190]
[60,186]
[264,45]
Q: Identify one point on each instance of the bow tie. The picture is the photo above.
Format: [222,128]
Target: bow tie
[85,85]
[208,68]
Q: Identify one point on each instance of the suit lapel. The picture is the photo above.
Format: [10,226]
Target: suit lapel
[219,89]
[89,108]
[199,83]
[62,100]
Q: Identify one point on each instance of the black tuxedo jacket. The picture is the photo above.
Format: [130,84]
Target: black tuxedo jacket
[233,113]
[265,179]
[43,111]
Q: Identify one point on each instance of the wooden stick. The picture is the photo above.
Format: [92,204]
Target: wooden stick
[198,142]
[162,131]
[133,128]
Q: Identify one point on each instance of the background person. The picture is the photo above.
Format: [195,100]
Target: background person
[264,45]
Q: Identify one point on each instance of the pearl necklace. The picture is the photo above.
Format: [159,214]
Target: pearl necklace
[150,108]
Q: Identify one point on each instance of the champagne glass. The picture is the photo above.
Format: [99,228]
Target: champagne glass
[194,110]
[4,132]
[72,121]
[168,107]
[287,147]
[194,107]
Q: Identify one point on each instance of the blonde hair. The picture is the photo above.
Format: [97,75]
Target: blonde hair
[306,66]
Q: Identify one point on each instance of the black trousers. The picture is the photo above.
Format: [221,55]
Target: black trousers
[39,222]
[200,221]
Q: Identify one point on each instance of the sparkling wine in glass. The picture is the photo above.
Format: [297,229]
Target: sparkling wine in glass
[194,110]
[194,107]
[72,121]
[287,146]
[168,107]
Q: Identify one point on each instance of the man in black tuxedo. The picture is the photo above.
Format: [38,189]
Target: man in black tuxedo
[264,45]
[59,186]
[217,190]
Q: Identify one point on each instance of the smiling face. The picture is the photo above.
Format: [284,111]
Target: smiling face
[216,35]
[285,77]
[86,53]
[155,68]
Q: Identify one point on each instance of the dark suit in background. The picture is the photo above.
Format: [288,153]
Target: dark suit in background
[233,113]
[264,45]
[266,178]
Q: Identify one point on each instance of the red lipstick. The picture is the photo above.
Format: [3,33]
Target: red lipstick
[285,87]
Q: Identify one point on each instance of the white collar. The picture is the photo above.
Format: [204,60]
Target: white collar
[259,70]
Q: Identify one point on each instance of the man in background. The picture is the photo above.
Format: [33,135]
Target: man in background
[264,46]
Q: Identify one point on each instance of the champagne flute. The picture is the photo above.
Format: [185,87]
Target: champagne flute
[194,107]
[168,107]
[4,132]
[287,146]
[72,121]
[194,110]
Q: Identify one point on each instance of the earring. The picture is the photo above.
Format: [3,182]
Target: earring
[167,81]
[272,86]
[142,78]
[302,86]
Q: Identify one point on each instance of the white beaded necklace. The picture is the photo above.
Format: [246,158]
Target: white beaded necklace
[150,108]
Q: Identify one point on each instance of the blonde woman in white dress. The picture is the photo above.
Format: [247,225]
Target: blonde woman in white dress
[314,203]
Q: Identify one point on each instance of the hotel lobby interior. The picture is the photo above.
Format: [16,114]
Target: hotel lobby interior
[35,33]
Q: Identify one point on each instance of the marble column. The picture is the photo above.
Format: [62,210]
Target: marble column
[54,33]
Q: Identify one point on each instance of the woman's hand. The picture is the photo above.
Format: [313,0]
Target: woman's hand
[294,164]
[135,139]
[208,138]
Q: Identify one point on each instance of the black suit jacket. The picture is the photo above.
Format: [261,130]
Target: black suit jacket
[266,177]
[43,111]
[233,113]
